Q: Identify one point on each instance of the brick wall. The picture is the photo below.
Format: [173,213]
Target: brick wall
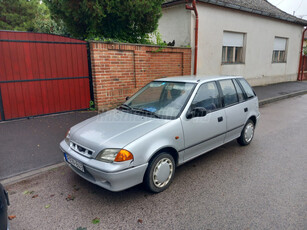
[119,70]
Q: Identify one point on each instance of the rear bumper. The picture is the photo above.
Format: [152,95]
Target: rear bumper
[257,118]
[113,181]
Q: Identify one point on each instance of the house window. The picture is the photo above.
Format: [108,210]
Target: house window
[233,45]
[279,51]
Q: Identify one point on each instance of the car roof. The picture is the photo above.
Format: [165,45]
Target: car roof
[197,78]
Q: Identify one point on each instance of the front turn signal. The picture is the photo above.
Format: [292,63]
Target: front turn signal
[123,155]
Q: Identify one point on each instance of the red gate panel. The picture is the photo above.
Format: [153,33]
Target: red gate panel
[42,74]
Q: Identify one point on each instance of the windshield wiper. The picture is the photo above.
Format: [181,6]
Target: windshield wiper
[124,106]
[144,111]
[139,110]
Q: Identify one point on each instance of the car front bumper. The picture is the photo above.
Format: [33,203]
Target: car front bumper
[111,178]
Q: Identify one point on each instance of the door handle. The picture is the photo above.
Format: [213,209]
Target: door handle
[219,119]
[245,110]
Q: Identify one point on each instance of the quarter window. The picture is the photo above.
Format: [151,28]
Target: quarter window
[233,44]
[229,92]
[248,90]
[207,97]
[279,51]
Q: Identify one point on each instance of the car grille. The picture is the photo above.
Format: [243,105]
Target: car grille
[81,149]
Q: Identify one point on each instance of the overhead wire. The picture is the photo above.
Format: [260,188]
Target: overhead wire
[280,2]
[299,6]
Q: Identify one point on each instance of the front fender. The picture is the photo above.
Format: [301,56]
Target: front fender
[168,135]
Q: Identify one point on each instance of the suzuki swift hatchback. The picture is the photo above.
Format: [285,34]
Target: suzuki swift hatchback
[167,123]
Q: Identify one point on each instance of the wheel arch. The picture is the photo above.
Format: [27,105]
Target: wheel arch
[253,119]
[172,151]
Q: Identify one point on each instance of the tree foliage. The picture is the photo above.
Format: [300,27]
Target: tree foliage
[28,15]
[43,22]
[17,14]
[126,20]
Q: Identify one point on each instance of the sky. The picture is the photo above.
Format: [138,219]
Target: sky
[298,6]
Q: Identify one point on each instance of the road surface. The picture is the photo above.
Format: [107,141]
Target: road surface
[260,186]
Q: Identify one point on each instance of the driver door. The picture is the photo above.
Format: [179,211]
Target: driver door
[202,134]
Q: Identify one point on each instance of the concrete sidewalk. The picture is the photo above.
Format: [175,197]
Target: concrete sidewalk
[271,93]
[31,144]
[28,146]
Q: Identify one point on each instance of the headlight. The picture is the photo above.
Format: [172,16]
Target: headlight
[117,155]
[67,138]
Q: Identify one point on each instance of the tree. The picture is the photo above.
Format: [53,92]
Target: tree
[28,15]
[128,20]
[43,22]
[17,14]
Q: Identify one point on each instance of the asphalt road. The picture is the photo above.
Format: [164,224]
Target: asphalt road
[260,186]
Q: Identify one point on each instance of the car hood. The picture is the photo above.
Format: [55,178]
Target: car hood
[113,129]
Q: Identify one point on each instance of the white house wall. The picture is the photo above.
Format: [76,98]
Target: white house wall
[175,24]
[260,32]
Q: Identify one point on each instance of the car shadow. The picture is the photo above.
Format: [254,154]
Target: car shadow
[185,173]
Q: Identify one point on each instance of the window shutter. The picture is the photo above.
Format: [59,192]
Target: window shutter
[233,39]
[280,43]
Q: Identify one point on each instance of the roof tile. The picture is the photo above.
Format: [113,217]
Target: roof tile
[260,7]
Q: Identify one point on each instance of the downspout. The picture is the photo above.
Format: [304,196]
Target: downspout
[193,7]
[299,75]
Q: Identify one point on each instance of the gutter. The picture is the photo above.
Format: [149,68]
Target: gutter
[299,75]
[193,7]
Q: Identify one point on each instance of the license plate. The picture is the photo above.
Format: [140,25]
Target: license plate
[74,162]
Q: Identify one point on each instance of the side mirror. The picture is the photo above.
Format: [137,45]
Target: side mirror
[127,98]
[197,112]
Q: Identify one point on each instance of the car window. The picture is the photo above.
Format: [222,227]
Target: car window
[160,99]
[239,91]
[150,95]
[248,90]
[229,92]
[207,97]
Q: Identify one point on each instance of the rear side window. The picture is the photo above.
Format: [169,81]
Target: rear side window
[207,97]
[229,92]
[248,90]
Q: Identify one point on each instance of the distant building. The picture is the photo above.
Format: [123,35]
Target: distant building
[237,37]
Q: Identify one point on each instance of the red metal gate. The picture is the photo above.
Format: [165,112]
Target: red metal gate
[42,74]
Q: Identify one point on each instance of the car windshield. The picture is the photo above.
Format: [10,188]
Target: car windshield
[160,99]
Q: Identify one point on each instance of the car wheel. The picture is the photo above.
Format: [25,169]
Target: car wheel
[160,172]
[247,133]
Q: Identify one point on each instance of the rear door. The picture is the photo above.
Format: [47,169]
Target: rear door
[235,108]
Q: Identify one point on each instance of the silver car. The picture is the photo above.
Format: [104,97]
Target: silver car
[167,123]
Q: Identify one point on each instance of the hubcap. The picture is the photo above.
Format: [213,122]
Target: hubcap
[162,173]
[249,132]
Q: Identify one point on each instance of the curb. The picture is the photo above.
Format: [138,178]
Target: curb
[278,98]
[27,175]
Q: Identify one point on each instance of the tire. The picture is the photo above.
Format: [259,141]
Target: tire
[160,173]
[247,133]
